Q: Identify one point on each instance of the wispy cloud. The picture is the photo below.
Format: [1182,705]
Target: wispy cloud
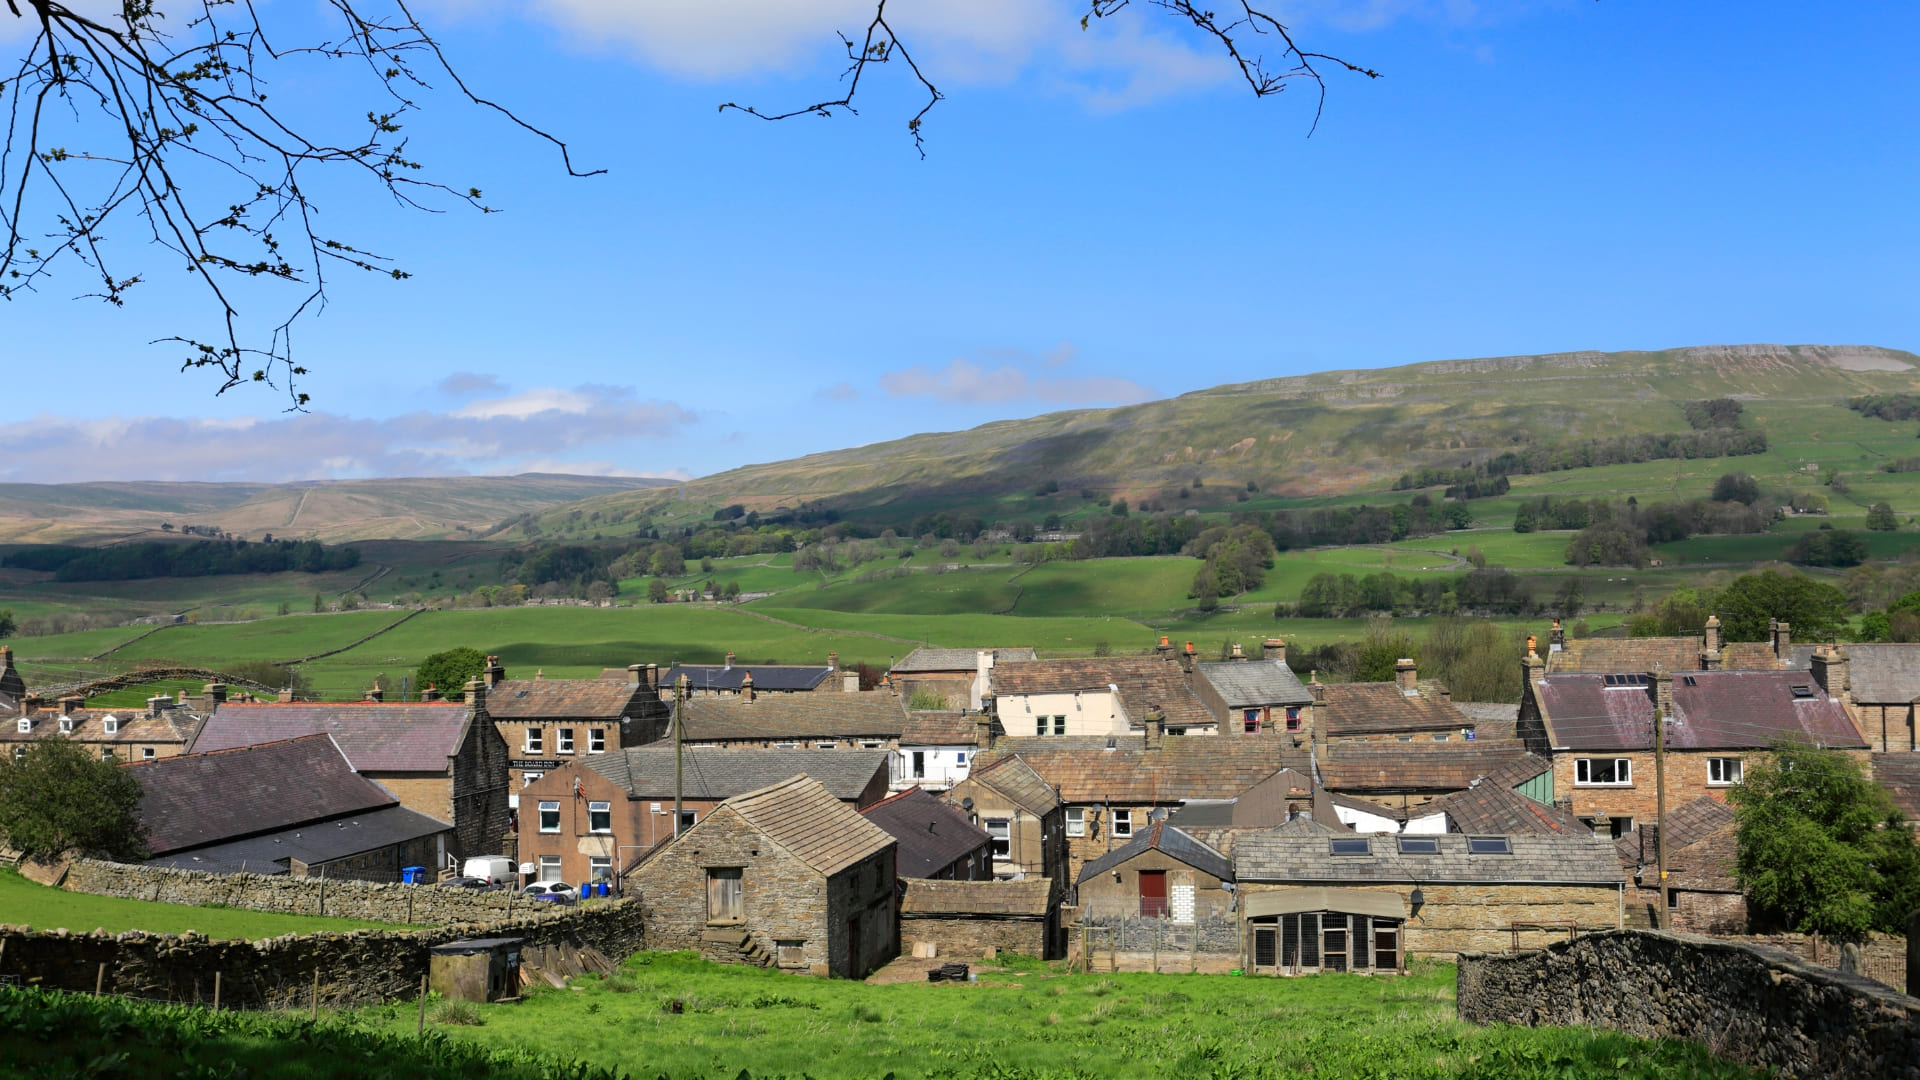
[463,383]
[534,431]
[1019,375]
[840,391]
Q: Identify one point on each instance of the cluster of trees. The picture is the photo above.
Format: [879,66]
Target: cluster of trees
[1235,560]
[449,670]
[1617,534]
[1746,606]
[1715,413]
[575,566]
[1463,483]
[1473,658]
[128,562]
[57,796]
[1481,591]
[1887,406]
[1827,546]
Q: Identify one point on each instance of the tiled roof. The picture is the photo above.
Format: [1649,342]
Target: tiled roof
[1383,708]
[931,833]
[802,816]
[89,725]
[194,800]
[1899,773]
[337,839]
[1298,857]
[1613,656]
[1492,808]
[1170,842]
[784,677]
[795,716]
[1247,683]
[1018,781]
[1145,682]
[926,659]
[1491,719]
[1883,673]
[939,729]
[1028,897]
[598,699]
[1185,767]
[1418,766]
[719,773]
[1514,771]
[1713,710]
[375,738]
[1701,847]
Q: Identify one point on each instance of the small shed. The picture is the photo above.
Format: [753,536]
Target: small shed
[1164,873]
[477,969]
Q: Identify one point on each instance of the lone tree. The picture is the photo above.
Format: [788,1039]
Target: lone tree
[1822,848]
[449,671]
[163,115]
[60,797]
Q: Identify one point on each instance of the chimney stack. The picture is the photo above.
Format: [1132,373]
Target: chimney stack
[1186,658]
[1317,688]
[983,732]
[376,694]
[746,685]
[833,661]
[1830,670]
[729,660]
[430,694]
[1532,667]
[157,704]
[1238,654]
[1782,638]
[1711,639]
[1164,650]
[1662,681]
[653,676]
[495,674]
[1406,675]
[70,702]
[285,696]
[1556,638]
[539,673]
[216,693]
[1156,727]
[636,674]
[1274,649]
[850,682]
[477,695]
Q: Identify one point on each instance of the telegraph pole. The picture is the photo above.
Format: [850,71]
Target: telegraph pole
[679,712]
[1662,921]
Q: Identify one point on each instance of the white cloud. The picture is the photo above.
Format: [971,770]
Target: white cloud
[529,432]
[963,381]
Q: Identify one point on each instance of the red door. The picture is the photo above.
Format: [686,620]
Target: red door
[1153,893]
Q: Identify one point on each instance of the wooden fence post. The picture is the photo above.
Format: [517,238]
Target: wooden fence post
[99,979]
[216,991]
[421,1027]
[316,993]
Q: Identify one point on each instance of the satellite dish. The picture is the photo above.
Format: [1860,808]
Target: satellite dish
[966,803]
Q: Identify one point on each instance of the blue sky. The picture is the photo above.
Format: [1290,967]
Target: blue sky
[1100,218]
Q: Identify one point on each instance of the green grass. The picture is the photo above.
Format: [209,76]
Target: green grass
[1031,1023]
[25,903]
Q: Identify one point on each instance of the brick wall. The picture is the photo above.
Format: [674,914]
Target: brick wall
[355,968]
[1751,1004]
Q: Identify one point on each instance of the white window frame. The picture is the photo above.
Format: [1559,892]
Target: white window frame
[563,740]
[826,746]
[596,740]
[527,778]
[146,753]
[548,806]
[25,726]
[111,725]
[1718,771]
[1076,821]
[599,868]
[597,810]
[1583,768]
[534,741]
[1123,823]
[550,868]
[999,843]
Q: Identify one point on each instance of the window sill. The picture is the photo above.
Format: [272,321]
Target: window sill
[549,832]
[1723,783]
[726,922]
[1628,784]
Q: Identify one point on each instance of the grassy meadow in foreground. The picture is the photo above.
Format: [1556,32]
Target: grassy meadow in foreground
[1032,1022]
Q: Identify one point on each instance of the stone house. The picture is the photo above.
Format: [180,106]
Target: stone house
[1703,896]
[161,730]
[1258,697]
[1598,730]
[585,820]
[980,918]
[1492,807]
[444,760]
[787,876]
[295,807]
[1406,710]
[1406,776]
[1021,814]
[1316,899]
[1709,651]
[959,677]
[1097,696]
[549,722]
[936,840]
[732,680]
[1164,873]
[935,750]
[1882,682]
[1268,804]
[871,720]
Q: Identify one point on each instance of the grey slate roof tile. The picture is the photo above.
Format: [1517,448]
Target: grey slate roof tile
[194,800]
[802,816]
[375,738]
[720,773]
[1245,684]
[1291,855]
[931,833]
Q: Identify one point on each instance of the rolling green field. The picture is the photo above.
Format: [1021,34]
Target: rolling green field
[25,903]
[1031,1022]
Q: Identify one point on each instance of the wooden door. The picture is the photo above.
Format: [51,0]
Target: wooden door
[1153,893]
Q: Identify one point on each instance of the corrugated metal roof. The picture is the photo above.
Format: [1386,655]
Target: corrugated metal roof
[720,773]
[375,738]
[1713,710]
[310,843]
[194,800]
[1249,683]
[802,816]
[931,834]
[1298,857]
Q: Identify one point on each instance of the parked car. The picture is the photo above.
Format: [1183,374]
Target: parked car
[473,883]
[497,869]
[558,892]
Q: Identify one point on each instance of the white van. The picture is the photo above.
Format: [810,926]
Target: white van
[494,869]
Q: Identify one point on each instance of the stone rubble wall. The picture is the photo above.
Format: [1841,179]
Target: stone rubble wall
[355,968]
[343,899]
[1748,1003]
[1134,933]
[962,937]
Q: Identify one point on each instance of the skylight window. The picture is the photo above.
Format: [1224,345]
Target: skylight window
[1419,845]
[1488,845]
[1359,846]
[1802,690]
[1625,680]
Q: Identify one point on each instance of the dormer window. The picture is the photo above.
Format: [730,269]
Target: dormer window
[66,725]
[26,726]
[111,724]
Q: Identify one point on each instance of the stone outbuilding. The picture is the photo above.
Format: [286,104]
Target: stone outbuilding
[787,876]
[1439,895]
[936,839]
[980,918]
[1703,897]
[1163,874]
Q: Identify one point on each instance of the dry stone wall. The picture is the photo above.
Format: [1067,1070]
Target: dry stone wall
[1753,1004]
[372,901]
[962,937]
[353,968]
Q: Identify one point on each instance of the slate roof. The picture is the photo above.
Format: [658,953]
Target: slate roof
[1378,708]
[646,772]
[1495,719]
[930,660]
[795,716]
[776,677]
[1491,808]
[1294,855]
[1170,842]
[802,816]
[531,699]
[310,843]
[1899,773]
[1879,674]
[1417,766]
[194,800]
[1028,897]
[1145,682]
[375,738]
[931,834]
[1245,684]
[1713,710]
[1701,847]
[1017,780]
[1612,656]
[1185,767]
[938,729]
[89,725]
